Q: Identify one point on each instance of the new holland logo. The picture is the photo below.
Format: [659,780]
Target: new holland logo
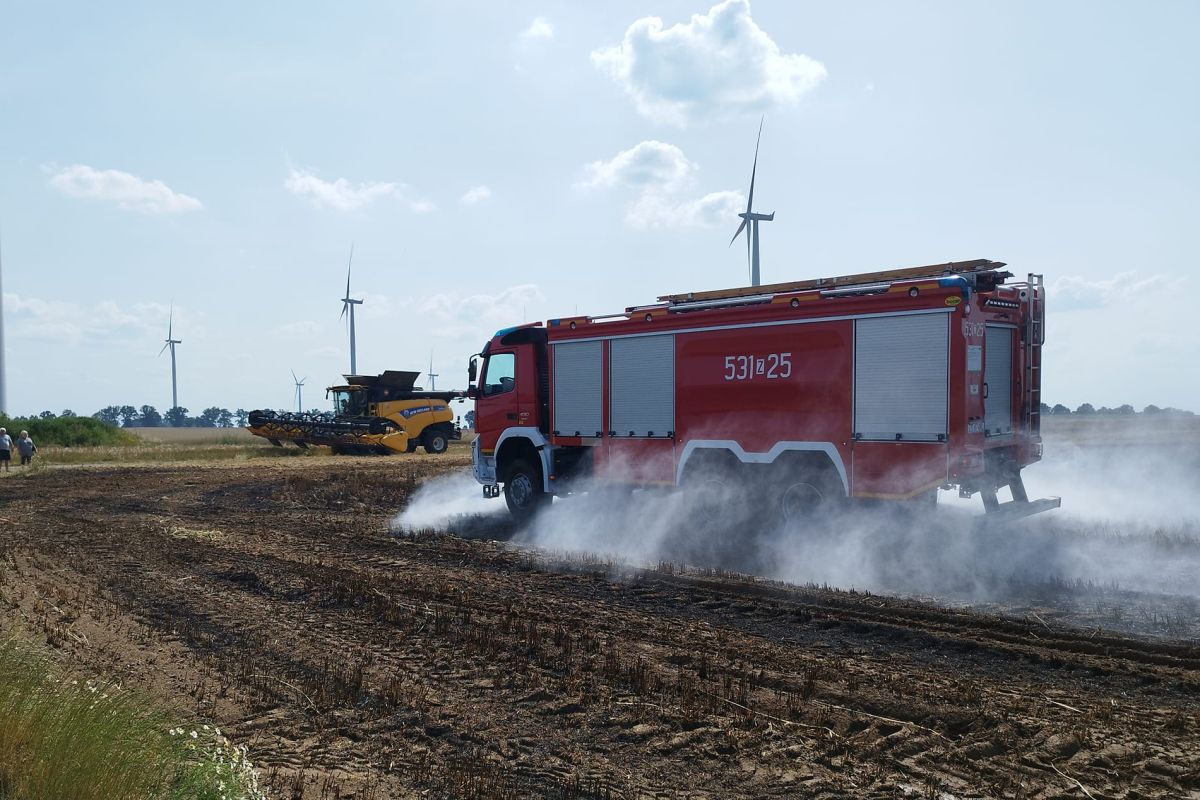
[410,412]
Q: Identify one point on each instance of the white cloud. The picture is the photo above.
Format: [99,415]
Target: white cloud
[476,317]
[656,210]
[128,191]
[661,176]
[474,195]
[343,195]
[1073,293]
[718,64]
[72,323]
[649,164]
[540,28]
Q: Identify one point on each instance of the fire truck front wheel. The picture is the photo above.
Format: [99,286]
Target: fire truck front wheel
[523,490]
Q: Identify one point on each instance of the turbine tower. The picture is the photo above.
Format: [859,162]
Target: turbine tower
[299,396]
[432,374]
[753,218]
[171,342]
[350,303]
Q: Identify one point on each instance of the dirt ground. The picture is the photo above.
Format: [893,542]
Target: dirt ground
[271,598]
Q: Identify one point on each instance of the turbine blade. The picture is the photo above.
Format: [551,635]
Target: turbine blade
[741,228]
[294,375]
[344,304]
[348,263]
[165,346]
[754,169]
[171,320]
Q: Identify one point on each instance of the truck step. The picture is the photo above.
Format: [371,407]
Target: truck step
[1016,509]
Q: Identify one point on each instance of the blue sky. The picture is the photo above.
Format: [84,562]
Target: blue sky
[494,163]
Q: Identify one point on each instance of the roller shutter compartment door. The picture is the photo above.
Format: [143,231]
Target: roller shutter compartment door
[578,389]
[642,386]
[900,377]
[997,375]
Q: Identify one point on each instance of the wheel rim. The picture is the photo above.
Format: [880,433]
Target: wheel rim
[800,499]
[520,488]
[439,443]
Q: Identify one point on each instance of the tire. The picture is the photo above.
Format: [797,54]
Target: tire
[523,492]
[411,447]
[436,442]
[808,497]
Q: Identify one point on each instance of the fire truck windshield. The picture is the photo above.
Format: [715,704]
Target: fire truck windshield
[498,373]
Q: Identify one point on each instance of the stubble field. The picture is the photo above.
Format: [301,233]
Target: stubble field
[277,598]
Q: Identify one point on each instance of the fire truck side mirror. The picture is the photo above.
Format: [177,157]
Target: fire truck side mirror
[472,372]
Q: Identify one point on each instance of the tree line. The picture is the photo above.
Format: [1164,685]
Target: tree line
[178,417]
[1087,409]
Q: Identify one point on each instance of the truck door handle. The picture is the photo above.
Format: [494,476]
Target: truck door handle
[985,391]
[511,416]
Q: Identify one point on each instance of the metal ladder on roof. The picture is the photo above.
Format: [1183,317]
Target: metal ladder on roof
[1035,337]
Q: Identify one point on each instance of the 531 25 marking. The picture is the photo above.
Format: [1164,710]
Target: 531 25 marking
[772,366]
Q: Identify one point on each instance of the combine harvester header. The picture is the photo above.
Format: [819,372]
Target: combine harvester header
[382,413]
[885,385]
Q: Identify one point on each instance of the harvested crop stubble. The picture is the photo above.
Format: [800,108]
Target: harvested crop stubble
[360,663]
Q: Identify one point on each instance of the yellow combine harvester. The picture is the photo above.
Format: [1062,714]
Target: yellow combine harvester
[372,414]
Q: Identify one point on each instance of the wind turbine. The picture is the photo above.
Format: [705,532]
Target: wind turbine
[171,342]
[350,303]
[753,218]
[432,374]
[299,396]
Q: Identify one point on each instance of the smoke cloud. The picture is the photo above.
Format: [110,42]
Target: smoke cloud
[1123,552]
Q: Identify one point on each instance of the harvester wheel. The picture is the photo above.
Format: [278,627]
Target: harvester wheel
[411,447]
[436,442]
[523,490]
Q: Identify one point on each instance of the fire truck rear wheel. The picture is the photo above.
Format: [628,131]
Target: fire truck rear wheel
[800,500]
[523,490]
[808,498]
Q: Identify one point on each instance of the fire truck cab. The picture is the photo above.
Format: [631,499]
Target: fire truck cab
[886,385]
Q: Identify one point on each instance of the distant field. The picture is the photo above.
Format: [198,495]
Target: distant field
[1122,429]
[194,435]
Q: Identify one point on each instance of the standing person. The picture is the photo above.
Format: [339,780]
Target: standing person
[26,448]
[6,444]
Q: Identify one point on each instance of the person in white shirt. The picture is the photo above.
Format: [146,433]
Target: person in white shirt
[6,445]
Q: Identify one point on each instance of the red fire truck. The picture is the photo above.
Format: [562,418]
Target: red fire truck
[886,385]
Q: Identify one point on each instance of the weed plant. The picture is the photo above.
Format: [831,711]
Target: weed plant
[73,740]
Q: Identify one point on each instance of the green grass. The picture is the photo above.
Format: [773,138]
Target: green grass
[68,432]
[74,740]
